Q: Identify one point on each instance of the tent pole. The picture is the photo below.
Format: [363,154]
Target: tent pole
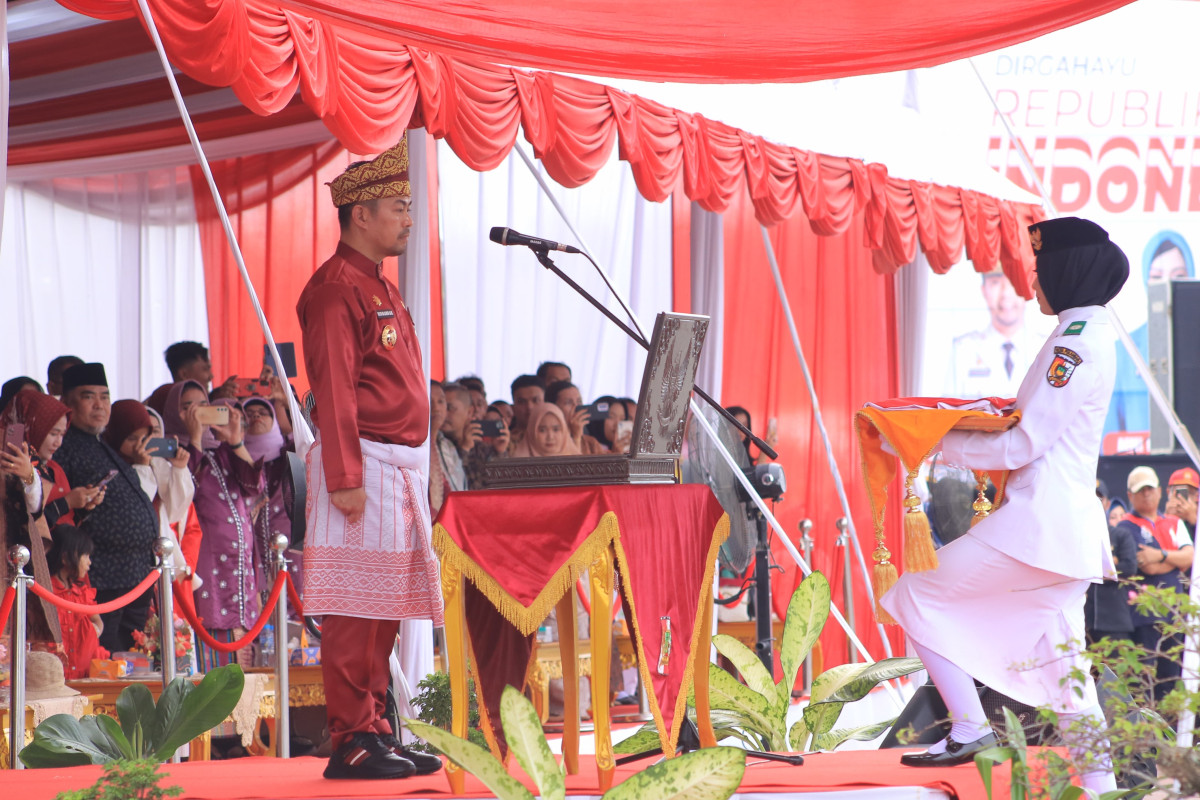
[820,420]
[1191,651]
[303,436]
[712,435]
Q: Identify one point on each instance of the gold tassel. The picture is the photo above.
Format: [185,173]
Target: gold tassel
[919,555]
[982,506]
[883,578]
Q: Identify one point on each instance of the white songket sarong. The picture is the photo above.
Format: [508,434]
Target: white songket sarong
[383,566]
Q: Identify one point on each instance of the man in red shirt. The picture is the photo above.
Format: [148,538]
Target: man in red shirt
[368,559]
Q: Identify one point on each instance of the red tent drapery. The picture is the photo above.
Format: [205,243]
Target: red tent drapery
[368,89]
[705,41]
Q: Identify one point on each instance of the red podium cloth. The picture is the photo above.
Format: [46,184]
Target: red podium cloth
[522,550]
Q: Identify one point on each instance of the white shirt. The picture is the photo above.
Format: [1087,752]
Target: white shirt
[977,363]
[1050,518]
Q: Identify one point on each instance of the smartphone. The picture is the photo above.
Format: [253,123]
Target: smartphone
[165,448]
[213,415]
[107,478]
[287,354]
[255,388]
[624,428]
[1182,494]
[597,411]
[14,434]
[490,428]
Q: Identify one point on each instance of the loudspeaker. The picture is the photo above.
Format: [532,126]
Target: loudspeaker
[1173,343]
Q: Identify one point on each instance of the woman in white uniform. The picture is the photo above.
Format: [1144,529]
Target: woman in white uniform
[1008,594]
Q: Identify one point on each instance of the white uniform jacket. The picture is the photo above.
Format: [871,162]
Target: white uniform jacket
[1050,518]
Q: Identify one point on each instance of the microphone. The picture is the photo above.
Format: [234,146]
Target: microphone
[507,236]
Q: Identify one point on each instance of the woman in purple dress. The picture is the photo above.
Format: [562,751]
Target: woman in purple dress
[227,481]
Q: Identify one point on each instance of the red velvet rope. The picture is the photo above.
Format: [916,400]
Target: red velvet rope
[10,596]
[92,608]
[189,614]
[293,597]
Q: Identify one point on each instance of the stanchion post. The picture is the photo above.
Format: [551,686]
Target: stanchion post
[18,557]
[164,548]
[806,546]
[843,541]
[283,727]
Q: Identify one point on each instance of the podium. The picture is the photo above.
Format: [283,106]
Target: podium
[509,557]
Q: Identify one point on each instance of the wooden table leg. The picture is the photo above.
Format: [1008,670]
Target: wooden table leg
[601,624]
[700,670]
[567,639]
[456,664]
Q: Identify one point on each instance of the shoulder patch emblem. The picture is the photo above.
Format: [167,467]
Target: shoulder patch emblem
[1075,328]
[1064,363]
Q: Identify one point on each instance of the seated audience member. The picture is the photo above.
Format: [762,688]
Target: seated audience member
[168,484]
[227,481]
[553,372]
[479,402]
[12,387]
[45,425]
[546,434]
[1116,511]
[70,558]
[1164,559]
[173,479]
[566,396]
[439,486]
[606,431]
[124,526]
[466,433]
[1106,610]
[527,392]
[772,437]
[458,435]
[272,511]
[189,361]
[54,372]
[1183,490]
[505,410]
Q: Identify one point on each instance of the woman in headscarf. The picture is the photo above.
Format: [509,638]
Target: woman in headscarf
[272,510]
[1005,604]
[227,480]
[546,434]
[176,514]
[14,386]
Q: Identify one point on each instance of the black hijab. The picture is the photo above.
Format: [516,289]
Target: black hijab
[1077,265]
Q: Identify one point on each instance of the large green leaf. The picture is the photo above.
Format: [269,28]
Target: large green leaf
[798,736]
[640,742]
[748,664]
[135,708]
[863,733]
[821,717]
[871,674]
[523,730]
[474,759]
[64,735]
[833,679]
[713,773]
[727,693]
[36,755]
[185,711]
[806,615]
[109,730]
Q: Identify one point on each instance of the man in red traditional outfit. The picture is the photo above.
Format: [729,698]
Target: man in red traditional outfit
[367,557]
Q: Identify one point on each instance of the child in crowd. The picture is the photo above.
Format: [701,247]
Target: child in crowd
[70,558]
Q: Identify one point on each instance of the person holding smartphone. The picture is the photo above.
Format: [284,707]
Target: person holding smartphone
[1183,491]
[125,525]
[369,565]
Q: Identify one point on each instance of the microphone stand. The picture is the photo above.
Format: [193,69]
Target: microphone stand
[543,257]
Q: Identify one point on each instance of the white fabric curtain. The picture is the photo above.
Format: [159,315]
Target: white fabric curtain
[708,294]
[414,280]
[912,282]
[107,268]
[505,313]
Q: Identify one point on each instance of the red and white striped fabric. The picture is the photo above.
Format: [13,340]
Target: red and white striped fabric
[383,566]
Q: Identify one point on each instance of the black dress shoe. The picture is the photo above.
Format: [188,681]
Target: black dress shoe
[366,756]
[956,753]
[424,762]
